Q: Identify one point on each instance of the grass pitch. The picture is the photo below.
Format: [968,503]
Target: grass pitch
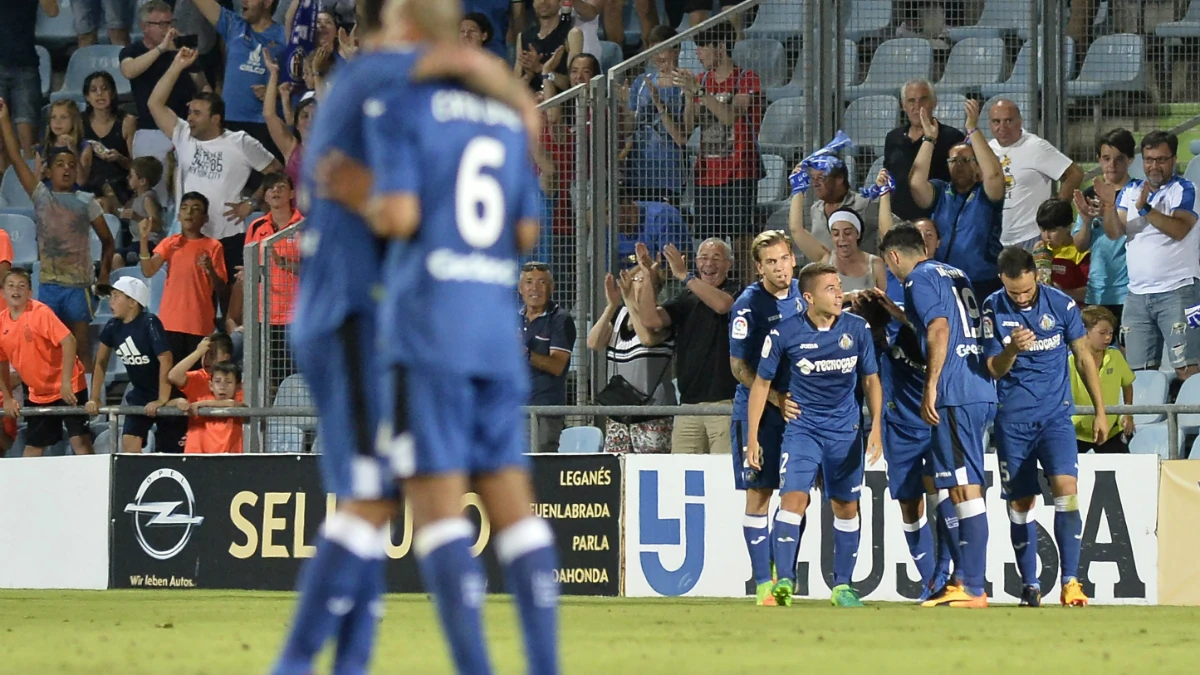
[186,632]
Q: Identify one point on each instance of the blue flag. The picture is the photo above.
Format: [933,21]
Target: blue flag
[301,42]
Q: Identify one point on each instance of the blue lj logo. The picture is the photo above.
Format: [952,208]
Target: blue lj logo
[656,531]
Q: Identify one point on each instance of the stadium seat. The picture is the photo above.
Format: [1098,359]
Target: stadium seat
[781,20]
[868,18]
[998,19]
[1194,453]
[797,87]
[1113,63]
[293,392]
[873,171]
[317,444]
[35,274]
[23,233]
[157,283]
[1189,394]
[581,440]
[1137,168]
[868,121]
[765,57]
[1151,439]
[951,110]
[85,61]
[772,188]
[284,438]
[114,227]
[58,31]
[610,55]
[1194,146]
[1192,172]
[782,129]
[18,446]
[894,63]
[12,193]
[1020,77]
[778,220]
[94,245]
[44,69]
[103,444]
[1149,388]
[1023,101]
[688,59]
[1187,27]
[973,63]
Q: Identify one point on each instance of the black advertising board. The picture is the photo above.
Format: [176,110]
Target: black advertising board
[249,521]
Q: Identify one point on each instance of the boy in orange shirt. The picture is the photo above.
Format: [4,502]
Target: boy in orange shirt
[215,435]
[196,385]
[195,271]
[42,349]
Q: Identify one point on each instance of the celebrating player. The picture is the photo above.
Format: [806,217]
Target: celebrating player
[1027,330]
[830,351]
[333,334]
[766,302]
[959,399]
[456,191]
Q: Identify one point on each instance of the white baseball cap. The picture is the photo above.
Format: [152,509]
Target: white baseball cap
[134,288]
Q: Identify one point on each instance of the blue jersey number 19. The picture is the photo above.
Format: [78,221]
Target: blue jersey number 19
[479,199]
[968,309]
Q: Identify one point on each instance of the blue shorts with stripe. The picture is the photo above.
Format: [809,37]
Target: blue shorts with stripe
[71,304]
[837,455]
[437,423]
[1020,447]
[908,450]
[342,376]
[958,444]
[770,440]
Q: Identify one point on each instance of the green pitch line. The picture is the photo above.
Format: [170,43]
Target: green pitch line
[223,633]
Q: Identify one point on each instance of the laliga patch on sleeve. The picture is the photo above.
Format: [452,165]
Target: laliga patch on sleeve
[988,331]
[740,328]
[766,352]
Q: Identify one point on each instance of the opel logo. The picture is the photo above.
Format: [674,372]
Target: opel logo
[147,515]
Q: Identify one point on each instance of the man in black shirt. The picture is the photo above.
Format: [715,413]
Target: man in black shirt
[20,83]
[902,143]
[700,317]
[537,47]
[145,62]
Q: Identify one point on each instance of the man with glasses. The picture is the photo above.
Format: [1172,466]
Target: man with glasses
[969,207]
[1158,217]
[144,63]
[548,333]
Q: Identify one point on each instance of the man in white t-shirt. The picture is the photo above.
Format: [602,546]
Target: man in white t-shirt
[1031,165]
[1158,217]
[212,161]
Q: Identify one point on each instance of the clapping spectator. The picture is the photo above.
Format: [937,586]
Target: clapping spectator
[1158,215]
[1108,277]
[213,161]
[138,339]
[640,356]
[195,271]
[20,82]
[540,42]
[144,174]
[289,141]
[1116,381]
[549,337]
[43,352]
[654,152]
[902,144]
[1060,263]
[1031,165]
[247,38]
[857,269]
[89,14]
[64,225]
[969,209]
[833,193]
[108,130]
[700,319]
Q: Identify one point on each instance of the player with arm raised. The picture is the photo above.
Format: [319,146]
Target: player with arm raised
[959,398]
[333,332]
[828,351]
[455,192]
[1028,331]
[766,302]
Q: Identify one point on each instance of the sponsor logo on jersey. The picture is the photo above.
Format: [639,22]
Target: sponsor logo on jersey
[1047,344]
[964,350]
[845,365]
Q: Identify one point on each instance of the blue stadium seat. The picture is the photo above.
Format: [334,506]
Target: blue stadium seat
[283,438]
[1194,453]
[951,109]
[868,120]
[868,18]
[58,31]
[114,227]
[998,19]
[44,69]
[765,57]
[35,273]
[1187,27]
[772,187]
[293,392]
[1020,77]
[581,440]
[779,19]
[894,63]
[103,444]
[610,55]
[1189,394]
[1192,172]
[23,233]
[873,171]
[974,62]
[157,283]
[797,86]
[1113,63]
[1150,387]
[94,245]
[87,60]
[12,193]
[688,59]
[1137,167]
[782,129]
[1151,439]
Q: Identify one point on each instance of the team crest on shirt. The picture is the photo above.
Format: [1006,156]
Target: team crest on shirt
[28,334]
[740,328]
[988,330]
[846,342]
[1046,322]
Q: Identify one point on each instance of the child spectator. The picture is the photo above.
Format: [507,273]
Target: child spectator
[217,384]
[138,338]
[107,130]
[144,174]
[1059,262]
[195,272]
[64,130]
[64,248]
[42,350]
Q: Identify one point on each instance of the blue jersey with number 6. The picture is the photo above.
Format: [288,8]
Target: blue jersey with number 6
[934,290]
[450,301]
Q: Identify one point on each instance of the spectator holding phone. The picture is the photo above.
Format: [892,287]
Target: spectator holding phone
[108,130]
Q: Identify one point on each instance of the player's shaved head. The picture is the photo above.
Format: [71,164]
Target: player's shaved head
[436,20]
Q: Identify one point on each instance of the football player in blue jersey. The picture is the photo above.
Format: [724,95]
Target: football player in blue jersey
[1028,331]
[333,332]
[456,193]
[959,398]
[764,303]
[828,351]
